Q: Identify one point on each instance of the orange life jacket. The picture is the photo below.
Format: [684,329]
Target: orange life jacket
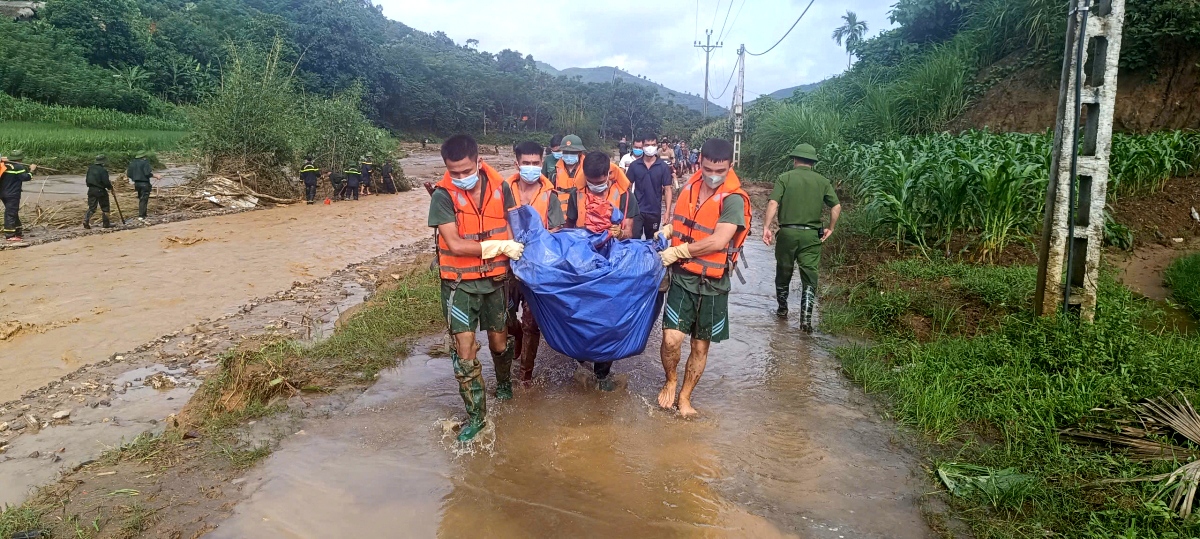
[564,184]
[615,191]
[540,202]
[486,222]
[696,219]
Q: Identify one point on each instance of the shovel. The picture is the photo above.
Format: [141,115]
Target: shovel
[118,203]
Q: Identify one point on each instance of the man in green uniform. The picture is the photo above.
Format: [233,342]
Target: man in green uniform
[474,247]
[140,172]
[799,199]
[98,186]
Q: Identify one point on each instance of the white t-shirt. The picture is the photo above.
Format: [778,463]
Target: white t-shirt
[627,160]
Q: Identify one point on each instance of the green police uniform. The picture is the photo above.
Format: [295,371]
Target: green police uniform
[802,195]
[98,185]
[140,172]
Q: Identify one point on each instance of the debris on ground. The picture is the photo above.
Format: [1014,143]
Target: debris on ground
[997,487]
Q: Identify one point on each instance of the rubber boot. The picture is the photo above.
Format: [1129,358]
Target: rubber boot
[104,221]
[781,296]
[531,339]
[503,362]
[87,220]
[469,374]
[604,379]
[808,302]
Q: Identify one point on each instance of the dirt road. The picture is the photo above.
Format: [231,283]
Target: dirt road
[75,302]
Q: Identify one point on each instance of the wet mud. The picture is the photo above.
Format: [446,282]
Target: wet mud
[80,301]
[785,447]
[52,189]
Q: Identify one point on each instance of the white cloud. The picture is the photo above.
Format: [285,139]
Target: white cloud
[655,39]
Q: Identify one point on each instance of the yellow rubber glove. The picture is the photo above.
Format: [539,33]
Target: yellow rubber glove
[665,232]
[674,254]
[493,248]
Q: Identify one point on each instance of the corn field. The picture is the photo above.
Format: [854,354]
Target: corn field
[23,110]
[69,149]
[985,188]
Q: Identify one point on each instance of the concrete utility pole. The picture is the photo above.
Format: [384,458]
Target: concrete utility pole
[1073,231]
[708,47]
[739,95]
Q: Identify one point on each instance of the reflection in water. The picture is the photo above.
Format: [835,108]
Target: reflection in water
[784,448]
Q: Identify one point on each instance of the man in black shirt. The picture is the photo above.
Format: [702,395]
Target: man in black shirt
[13,173]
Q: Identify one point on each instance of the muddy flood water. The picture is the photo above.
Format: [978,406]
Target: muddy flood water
[785,448]
[79,301]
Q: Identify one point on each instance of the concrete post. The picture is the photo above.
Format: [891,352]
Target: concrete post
[1102,36]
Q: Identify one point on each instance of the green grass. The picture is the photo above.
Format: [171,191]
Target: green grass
[18,519]
[23,110]
[1183,276]
[73,148]
[998,398]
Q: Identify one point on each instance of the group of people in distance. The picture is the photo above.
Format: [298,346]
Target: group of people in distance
[357,179]
[708,223]
[682,160]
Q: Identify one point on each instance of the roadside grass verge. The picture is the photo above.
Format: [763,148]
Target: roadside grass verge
[1183,277]
[995,388]
[254,381]
[72,149]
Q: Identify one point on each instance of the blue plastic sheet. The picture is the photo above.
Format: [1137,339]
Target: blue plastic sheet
[595,298]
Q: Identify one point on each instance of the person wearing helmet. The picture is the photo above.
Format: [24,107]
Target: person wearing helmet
[98,185]
[13,173]
[140,172]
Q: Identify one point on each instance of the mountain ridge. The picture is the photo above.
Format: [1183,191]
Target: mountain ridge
[605,74]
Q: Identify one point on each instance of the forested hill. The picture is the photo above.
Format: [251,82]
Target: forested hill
[606,74]
[144,55]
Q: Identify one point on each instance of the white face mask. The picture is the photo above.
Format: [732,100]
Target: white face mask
[650,151]
[597,188]
[714,181]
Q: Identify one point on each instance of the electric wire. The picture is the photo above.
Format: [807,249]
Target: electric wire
[735,19]
[716,10]
[810,4]
[726,21]
[735,68]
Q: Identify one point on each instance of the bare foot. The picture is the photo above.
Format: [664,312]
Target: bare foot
[666,397]
[686,410]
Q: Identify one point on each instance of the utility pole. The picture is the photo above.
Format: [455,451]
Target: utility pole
[739,95]
[708,47]
[1073,230]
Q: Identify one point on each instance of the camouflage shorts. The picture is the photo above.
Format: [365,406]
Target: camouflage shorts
[467,313]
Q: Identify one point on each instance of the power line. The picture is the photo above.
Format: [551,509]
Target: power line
[810,4]
[716,10]
[736,17]
[726,21]
[735,67]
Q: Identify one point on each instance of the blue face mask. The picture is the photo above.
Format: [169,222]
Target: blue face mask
[637,152]
[530,173]
[570,158]
[466,184]
[557,155]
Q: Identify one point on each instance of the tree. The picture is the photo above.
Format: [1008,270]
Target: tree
[851,32]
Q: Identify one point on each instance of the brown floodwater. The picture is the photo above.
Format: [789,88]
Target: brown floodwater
[785,447]
[81,300]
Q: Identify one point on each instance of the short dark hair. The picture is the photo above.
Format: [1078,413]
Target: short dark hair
[528,147]
[717,150]
[459,147]
[803,161]
[648,136]
[556,140]
[596,164]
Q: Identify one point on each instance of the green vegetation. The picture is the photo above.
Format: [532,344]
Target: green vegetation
[917,78]
[995,388]
[1183,276]
[931,190]
[70,149]
[146,55]
[24,110]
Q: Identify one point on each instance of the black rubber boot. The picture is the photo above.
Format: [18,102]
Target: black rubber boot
[104,221]
[469,374]
[808,303]
[503,363]
[781,296]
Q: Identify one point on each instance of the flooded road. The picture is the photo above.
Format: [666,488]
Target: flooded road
[785,447]
[71,188]
[79,301]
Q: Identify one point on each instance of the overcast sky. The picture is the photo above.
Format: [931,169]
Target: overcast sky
[655,38]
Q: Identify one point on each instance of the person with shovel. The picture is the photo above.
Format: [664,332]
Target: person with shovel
[13,173]
[98,185]
[140,173]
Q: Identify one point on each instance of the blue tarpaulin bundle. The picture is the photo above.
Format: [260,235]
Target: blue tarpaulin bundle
[595,298]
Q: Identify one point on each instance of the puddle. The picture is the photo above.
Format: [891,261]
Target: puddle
[133,408]
[786,447]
